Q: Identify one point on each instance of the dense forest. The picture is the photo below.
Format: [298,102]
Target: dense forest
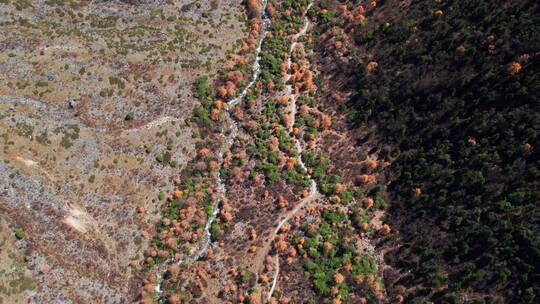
[453,88]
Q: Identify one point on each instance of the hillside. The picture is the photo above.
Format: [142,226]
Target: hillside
[452,88]
[91,93]
[269,151]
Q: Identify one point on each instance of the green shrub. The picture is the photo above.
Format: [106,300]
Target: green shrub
[161,196]
[202,88]
[19,233]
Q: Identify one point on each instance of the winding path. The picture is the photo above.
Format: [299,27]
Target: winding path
[314,192]
[154,123]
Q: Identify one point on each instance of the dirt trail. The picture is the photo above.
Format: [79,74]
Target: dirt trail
[24,101]
[274,281]
[313,196]
[314,192]
[292,104]
[154,123]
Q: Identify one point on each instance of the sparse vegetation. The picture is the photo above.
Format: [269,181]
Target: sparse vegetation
[69,133]
[102,80]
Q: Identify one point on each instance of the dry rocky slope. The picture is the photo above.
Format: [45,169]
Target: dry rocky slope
[95,101]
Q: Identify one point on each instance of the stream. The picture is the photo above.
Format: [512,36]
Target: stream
[256,64]
[203,247]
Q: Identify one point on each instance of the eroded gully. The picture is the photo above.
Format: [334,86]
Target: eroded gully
[228,140]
